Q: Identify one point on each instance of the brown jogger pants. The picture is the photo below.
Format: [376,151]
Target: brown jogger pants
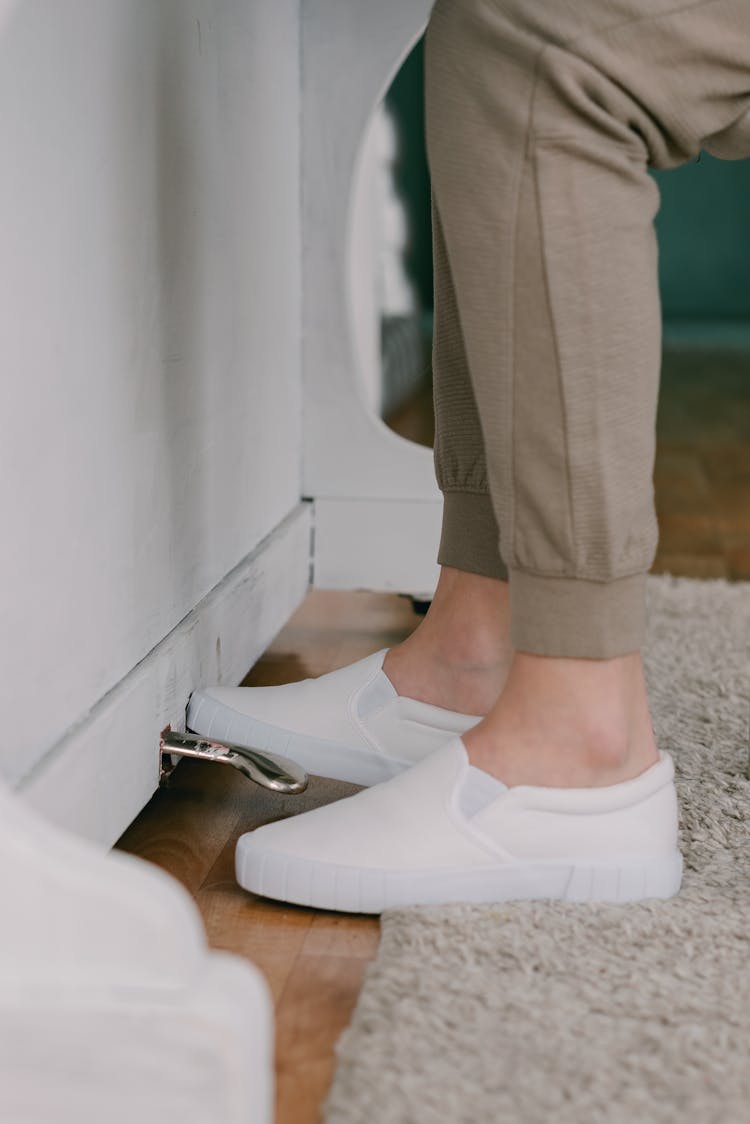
[542,119]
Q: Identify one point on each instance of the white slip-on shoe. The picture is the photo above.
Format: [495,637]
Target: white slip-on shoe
[444,831]
[350,724]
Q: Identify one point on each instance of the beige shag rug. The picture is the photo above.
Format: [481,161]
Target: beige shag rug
[548,1013]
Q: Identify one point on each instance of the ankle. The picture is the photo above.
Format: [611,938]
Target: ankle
[567,723]
[422,673]
[459,655]
[468,623]
[608,747]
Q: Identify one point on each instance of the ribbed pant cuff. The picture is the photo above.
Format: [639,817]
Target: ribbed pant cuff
[577,618]
[470,537]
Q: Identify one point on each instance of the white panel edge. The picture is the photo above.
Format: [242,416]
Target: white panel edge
[99,776]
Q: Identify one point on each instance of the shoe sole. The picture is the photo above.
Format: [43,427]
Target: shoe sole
[211,719]
[352,890]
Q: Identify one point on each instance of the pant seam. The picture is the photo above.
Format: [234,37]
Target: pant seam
[440,439]
[560,382]
[465,491]
[551,140]
[512,343]
[577,577]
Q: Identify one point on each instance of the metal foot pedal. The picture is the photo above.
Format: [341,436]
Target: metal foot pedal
[266,769]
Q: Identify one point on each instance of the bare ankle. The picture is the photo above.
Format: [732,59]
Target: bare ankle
[468,622]
[459,655]
[567,723]
[467,688]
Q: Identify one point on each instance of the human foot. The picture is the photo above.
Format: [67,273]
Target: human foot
[567,722]
[350,724]
[444,832]
[366,722]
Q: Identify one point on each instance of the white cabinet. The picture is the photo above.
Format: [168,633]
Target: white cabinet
[153,535]
[150,282]
[376,500]
[180,389]
[180,409]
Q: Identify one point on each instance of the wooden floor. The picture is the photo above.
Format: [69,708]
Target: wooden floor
[315,962]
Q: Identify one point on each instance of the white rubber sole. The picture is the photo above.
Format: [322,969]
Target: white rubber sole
[211,719]
[355,890]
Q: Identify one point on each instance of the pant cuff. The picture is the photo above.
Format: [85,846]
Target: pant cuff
[470,538]
[577,618]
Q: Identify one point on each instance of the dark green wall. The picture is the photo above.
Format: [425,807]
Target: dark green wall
[704,239]
[703,224]
[405,99]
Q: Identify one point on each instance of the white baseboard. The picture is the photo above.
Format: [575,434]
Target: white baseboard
[377,544]
[97,778]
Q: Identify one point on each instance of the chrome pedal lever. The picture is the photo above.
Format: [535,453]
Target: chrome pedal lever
[266,769]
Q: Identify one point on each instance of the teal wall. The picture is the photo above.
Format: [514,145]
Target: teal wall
[405,100]
[704,240]
[703,224]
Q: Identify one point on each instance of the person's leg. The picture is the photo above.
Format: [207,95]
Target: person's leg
[541,122]
[459,655]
